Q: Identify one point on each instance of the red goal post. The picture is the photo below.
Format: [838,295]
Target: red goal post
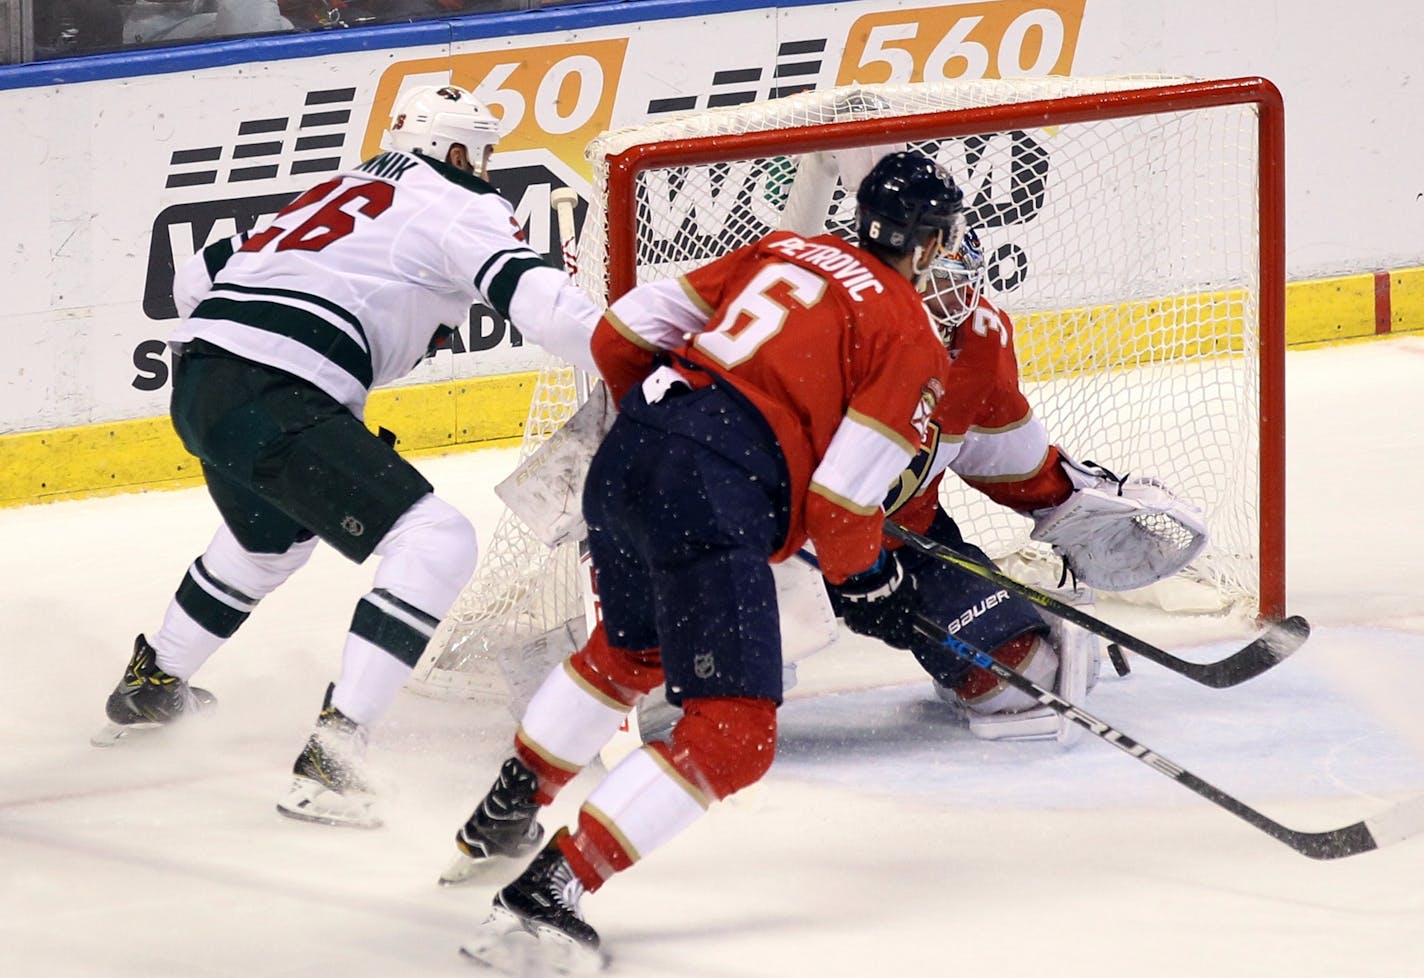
[1135,227]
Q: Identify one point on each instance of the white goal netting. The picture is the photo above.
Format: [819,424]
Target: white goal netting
[1122,220]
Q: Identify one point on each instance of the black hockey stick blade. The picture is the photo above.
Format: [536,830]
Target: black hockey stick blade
[1277,642]
[1403,821]
[1395,824]
[1268,649]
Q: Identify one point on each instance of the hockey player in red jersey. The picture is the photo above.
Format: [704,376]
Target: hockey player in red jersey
[284,333]
[809,383]
[985,432]
[1113,533]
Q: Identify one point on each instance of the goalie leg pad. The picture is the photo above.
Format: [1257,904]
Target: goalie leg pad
[808,623]
[970,608]
[1040,723]
[546,490]
[1080,658]
[1032,655]
[1001,712]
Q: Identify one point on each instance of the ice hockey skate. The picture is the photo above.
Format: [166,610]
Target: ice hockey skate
[328,784]
[503,831]
[148,699]
[535,926]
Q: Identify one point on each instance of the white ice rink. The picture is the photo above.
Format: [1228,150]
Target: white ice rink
[885,842]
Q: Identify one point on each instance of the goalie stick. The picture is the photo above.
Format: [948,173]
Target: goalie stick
[1268,649]
[1395,824]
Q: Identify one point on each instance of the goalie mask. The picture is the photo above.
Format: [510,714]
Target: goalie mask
[909,205]
[953,287]
[430,119]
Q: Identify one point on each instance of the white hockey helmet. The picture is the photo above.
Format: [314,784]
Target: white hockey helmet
[430,119]
[955,282]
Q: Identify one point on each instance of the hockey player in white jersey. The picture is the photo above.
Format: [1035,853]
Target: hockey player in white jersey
[284,333]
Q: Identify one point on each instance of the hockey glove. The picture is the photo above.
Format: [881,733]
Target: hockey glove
[879,602]
[1120,533]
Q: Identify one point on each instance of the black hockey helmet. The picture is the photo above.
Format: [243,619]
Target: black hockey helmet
[905,196]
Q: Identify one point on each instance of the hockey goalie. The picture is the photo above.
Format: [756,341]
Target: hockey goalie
[1111,533]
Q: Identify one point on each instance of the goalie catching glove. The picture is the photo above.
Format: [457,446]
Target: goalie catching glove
[1120,533]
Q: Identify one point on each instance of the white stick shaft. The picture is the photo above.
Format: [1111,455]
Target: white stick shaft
[563,201]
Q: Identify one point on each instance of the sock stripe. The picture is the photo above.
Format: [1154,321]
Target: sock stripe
[430,621]
[389,632]
[223,592]
[208,611]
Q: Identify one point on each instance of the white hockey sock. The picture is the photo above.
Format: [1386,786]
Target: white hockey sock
[221,588]
[428,556]
[182,644]
[370,679]
[568,721]
[644,803]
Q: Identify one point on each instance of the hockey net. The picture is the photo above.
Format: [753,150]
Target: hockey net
[1133,229]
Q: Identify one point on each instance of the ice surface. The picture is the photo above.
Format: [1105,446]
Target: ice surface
[885,842]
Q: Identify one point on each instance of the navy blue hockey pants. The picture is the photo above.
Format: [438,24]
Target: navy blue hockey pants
[686,500]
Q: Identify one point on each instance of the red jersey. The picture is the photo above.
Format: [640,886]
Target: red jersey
[983,429]
[834,348]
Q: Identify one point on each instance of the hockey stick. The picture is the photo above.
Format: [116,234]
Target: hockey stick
[563,200]
[1393,825]
[1273,645]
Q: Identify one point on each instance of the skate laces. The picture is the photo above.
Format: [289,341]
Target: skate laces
[335,729]
[506,820]
[335,752]
[144,670]
[512,796]
[501,808]
[565,887]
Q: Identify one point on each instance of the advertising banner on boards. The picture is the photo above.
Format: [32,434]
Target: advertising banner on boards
[146,170]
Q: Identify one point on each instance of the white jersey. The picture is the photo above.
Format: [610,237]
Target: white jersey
[352,282]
